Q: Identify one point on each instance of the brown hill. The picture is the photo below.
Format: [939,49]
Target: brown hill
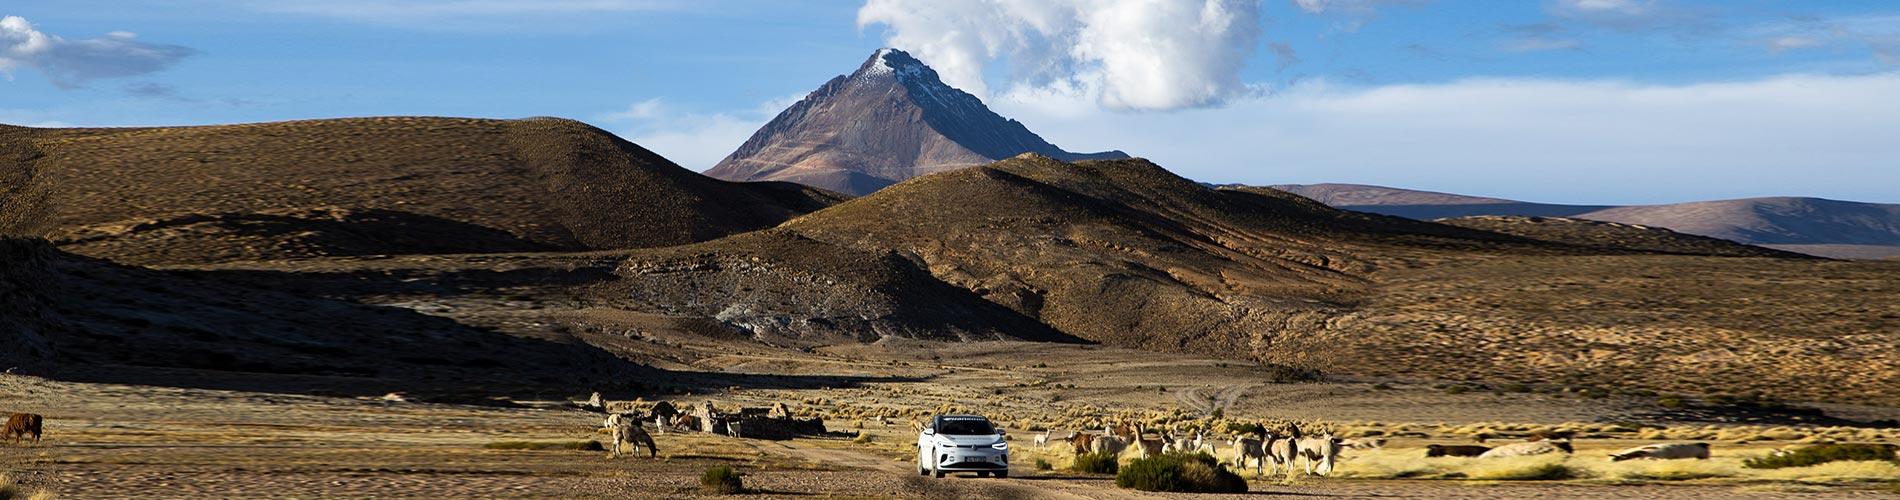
[891,120]
[1612,235]
[484,185]
[85,319]
[1125,253]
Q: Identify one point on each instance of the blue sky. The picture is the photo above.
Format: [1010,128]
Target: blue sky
[1584,101]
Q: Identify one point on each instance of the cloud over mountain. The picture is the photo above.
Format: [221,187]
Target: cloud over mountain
[71,63]
[1126,54]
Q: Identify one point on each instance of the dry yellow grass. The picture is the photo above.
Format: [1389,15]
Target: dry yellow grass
[11,491]
[1394,463]
[1667,470]
[1834,472]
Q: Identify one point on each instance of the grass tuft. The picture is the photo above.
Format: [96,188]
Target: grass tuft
[1667,470]
[1532,468]
[1841,471]
[721,479]
[1820,454]
[12,491]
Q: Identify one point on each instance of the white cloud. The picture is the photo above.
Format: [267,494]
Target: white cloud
[642,110]
[694,140]
[1620,141]
[1351,7]
[433,11]
[1137,54]
[1630,15]
[1622,7]
[1879,34]
[1352,14]
[1781,44]
[70,63]
[1312,6]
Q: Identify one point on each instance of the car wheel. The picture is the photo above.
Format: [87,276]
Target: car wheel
[1002,474]
[982,474]
[939,473]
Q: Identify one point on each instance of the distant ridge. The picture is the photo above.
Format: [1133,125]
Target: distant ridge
[1427,205]
[890,120]
[1814,226]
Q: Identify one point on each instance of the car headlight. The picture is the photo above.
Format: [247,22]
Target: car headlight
[1001,445]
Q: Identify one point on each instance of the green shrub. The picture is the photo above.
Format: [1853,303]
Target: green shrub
[1820,454]
[1095,463]
[1237,428]
[1671,401]
[721,479]
[546,445]
[1180,472]
[1456,389]
[1043,464]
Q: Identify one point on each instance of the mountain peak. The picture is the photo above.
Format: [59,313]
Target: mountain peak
[889,61]
[890,120]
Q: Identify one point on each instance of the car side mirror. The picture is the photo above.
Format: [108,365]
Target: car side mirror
[929,431]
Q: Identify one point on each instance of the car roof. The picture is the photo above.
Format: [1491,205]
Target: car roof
[961,417]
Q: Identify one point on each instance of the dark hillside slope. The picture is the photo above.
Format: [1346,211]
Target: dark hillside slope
[508,184]
[782,287]
[83,319]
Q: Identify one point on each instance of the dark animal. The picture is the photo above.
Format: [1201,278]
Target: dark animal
[1550,436]
[1455,450]
[1664,451]
[21,424]
[1082,442]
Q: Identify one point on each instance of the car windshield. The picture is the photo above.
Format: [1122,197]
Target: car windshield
[965,427]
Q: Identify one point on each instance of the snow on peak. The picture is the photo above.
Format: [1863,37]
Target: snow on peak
[892,61]
[878,64]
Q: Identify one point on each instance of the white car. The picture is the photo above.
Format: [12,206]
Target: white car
[962,443]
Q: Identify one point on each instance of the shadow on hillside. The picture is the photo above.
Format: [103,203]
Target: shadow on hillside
[403,281]
[422,386]
[702,382]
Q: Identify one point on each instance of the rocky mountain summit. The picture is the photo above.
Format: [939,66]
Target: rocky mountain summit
[890,120]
